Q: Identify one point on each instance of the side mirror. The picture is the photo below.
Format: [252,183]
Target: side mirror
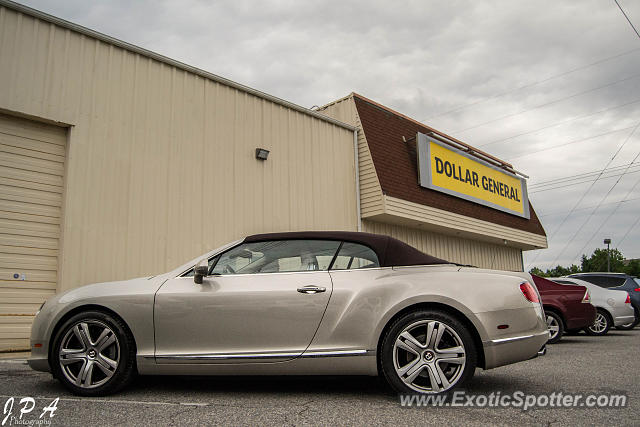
[199,272]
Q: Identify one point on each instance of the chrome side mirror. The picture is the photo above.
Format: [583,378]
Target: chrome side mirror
[200,271]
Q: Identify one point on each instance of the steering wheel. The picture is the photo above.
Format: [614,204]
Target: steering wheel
[228,269]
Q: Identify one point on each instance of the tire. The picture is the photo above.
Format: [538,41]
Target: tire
[100,365]
[601,325]
[555,325]
[410,365]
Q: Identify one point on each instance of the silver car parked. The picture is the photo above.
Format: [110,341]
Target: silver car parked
[613,306]
[294,303]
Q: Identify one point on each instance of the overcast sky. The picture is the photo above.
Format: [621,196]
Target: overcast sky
[551,86]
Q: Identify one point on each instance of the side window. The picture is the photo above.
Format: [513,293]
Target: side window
[606,281]
[614,282]
[354,256]
[277,256]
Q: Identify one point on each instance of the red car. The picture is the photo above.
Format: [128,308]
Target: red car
[566,307]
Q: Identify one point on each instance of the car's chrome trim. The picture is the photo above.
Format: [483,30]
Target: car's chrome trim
[274,355]
[226,356]
[334,353]
[510,339]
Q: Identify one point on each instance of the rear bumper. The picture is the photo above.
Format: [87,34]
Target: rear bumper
[580,316]
[623,320]
[504,351]
[541,352]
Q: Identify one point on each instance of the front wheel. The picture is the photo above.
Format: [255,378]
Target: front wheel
[93,354]
[555,325]
[601,325]
[427,351]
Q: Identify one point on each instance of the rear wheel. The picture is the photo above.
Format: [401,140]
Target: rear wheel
[555,325]
[601,325]
[427,351]
[93,354]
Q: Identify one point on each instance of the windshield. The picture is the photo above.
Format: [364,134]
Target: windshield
[183,268]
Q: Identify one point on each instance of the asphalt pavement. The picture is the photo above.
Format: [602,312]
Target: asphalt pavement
[578,364]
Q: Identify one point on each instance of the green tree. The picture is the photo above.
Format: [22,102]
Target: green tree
[598,261]
[537,272]
[556,271]
[633,267]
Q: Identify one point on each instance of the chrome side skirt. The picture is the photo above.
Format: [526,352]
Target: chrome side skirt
[244,356]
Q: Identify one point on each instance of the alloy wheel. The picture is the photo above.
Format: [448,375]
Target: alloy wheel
[429,356]
[89,354]
[554,327]
[599,325]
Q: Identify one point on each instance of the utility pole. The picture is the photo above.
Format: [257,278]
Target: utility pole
[608,242]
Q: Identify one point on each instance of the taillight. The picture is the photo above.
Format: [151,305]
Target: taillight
[529,292]
[636,290]
[587,297]
[628,300]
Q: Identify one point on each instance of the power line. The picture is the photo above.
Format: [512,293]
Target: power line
[609,216]
[629,230]
[546,104]
[581,182]
[602,200]
[628,20]
[585,193]
[571,142]
[578,176]
[461,107]
[559,123]
[584,209]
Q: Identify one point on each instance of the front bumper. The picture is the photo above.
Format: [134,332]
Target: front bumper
[39,363]
[504,351]
[39,359]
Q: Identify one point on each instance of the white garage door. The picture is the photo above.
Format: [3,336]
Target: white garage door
[32,159]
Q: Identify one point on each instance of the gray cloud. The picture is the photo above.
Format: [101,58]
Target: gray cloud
[425,58]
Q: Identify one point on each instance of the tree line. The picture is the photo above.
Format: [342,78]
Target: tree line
[596,262]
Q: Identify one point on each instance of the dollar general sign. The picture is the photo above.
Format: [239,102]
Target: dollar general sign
[443,168]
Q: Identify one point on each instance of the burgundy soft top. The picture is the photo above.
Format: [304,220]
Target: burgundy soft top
[391,252]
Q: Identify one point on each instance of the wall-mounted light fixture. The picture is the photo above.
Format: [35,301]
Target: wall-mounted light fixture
[262,154]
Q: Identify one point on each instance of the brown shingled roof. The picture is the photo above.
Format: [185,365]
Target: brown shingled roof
[396,165]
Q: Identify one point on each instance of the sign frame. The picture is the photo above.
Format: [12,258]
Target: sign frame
[425,179]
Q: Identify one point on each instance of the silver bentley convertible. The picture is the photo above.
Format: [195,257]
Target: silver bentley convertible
[301,303]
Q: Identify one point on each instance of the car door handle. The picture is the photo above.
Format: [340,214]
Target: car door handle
[311,289]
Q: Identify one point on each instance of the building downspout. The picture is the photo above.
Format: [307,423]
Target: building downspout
[357,164]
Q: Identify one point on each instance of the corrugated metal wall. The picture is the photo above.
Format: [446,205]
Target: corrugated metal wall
[371,202]
[160,161]
[451,248]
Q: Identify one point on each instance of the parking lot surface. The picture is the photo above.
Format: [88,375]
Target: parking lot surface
[578,364]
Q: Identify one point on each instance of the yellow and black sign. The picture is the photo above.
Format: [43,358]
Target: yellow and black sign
[446,169]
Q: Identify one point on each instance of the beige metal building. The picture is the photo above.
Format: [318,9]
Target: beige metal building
[117,162]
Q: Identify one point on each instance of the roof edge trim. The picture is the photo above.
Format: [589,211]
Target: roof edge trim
[161,58]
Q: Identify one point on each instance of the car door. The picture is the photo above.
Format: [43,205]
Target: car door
[262,302]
